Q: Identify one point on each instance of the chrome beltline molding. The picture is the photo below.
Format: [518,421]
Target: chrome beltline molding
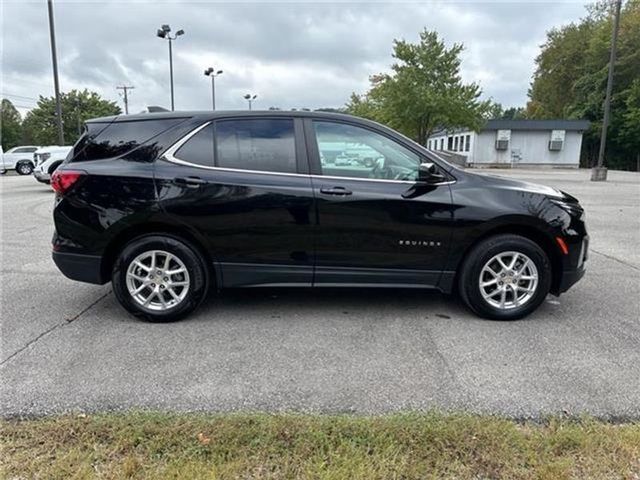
[170,156]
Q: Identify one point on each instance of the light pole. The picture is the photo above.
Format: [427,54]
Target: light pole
[250,98]
[56,82]
[599,173]
[211,72]
[165,32]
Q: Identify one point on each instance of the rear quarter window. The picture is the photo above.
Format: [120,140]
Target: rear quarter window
[110,140]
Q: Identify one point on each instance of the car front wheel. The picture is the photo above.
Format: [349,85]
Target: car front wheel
[505,277]
[160,278]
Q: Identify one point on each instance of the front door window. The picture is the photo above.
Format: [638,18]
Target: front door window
[350,151]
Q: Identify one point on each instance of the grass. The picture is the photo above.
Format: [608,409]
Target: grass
[247,446]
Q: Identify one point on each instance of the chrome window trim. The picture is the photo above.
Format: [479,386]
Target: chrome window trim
[170,156]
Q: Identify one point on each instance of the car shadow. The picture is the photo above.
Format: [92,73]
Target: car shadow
[332,300]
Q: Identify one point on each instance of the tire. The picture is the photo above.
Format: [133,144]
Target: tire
[184,257]
[3,171]
[530,287]
[24,168]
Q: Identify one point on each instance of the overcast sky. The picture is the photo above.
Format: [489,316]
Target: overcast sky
[292,55]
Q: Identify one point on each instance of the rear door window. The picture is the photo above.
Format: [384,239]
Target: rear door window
[261,144]
[109,140]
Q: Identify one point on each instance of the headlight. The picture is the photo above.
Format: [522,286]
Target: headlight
[573,209]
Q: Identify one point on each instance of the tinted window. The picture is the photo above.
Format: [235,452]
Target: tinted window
[256,144]
[107,140]
[350,151]
[199,148]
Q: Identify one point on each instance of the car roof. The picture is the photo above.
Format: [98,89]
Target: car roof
[210,115]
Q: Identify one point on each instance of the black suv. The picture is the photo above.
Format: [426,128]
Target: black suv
[168,205]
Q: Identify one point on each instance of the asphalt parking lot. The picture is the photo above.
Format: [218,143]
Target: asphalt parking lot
[68,346]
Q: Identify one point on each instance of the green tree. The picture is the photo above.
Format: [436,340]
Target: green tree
[39,125]
[514,113]
[571,76]
[10,125]
[424,91]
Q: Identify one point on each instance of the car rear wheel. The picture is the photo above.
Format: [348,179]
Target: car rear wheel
[160,278]
[24,168]
[505,277]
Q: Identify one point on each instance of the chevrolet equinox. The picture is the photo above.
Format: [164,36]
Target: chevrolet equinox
[168,205]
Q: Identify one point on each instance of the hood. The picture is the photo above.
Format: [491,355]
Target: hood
[53,149]
[497,181]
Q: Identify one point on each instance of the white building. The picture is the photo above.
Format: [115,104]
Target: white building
[515,143]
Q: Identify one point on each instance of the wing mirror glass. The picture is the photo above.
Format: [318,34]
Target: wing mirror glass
[429,173]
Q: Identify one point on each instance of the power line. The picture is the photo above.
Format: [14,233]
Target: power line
[7,94]
[125,88]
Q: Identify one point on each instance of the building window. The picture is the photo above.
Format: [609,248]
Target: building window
[442,144]
[450,143]
[467,145]
[429,144]
[455,143]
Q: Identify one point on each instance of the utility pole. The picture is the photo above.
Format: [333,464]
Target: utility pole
[56,83]
[78,117]
[125,88]
[599,173]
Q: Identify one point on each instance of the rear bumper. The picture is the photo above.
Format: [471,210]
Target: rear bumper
[83,268]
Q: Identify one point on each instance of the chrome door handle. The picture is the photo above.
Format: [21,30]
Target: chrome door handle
[335,191]
[189,181]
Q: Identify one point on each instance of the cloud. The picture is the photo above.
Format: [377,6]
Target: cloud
[289,54]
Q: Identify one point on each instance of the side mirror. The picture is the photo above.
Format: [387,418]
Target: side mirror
[429,173]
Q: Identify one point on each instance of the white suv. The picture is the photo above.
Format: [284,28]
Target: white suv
[19,159]
[47,160]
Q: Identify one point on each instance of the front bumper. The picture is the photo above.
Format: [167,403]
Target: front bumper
[42,177]
[572,276]
[569,278]
[80,267]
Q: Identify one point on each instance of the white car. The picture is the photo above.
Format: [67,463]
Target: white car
[19,159]
[47,160]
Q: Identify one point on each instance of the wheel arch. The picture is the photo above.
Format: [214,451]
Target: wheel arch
[25,160]
[52,168]
[128,234]
[527,230]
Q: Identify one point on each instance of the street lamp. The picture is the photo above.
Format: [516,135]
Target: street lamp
[250,98]
[211,72]
[165,32]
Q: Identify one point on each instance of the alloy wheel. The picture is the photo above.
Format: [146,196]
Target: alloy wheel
[24,169]
[157,280]
[508,280]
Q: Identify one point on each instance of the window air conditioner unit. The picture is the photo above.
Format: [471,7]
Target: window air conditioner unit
[502,139]
[555,145]
[557,140]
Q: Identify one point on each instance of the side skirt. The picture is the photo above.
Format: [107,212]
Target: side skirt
[241,275]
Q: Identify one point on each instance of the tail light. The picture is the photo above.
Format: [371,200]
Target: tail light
[63,180]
